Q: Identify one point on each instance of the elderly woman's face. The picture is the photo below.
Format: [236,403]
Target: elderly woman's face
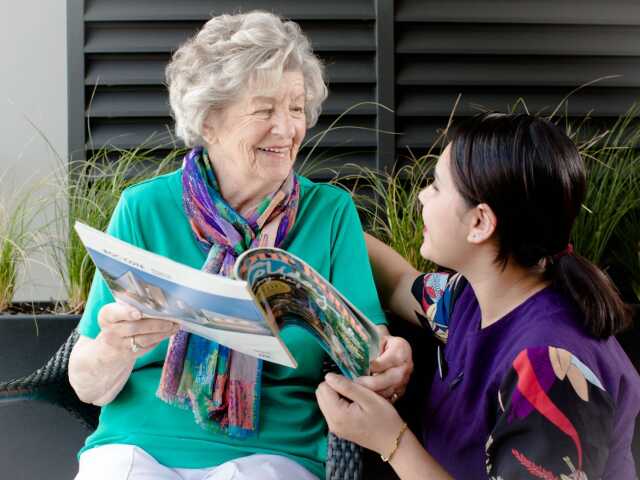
[260,134]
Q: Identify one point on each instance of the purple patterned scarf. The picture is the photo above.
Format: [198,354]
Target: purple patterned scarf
[222,386]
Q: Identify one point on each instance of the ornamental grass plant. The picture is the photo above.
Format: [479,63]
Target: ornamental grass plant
[388,200]
[607,230]
[18,236]
[321,162]
[626,253]
[613,192]
[93,187]
[388,204]
[92,190]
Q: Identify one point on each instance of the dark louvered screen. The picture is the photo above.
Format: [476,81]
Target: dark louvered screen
[494,52]
[126,45]
[414,56]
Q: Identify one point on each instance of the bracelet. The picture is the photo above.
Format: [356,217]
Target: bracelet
[396,443]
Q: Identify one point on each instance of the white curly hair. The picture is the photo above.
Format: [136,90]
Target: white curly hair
[214,67]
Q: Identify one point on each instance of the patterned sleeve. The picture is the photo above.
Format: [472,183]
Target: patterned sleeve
[432,290]
[554,420]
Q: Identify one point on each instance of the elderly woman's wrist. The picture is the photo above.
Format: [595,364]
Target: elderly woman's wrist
[110,354]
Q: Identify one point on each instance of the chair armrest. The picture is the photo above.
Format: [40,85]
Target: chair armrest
[50,383]
[344,458]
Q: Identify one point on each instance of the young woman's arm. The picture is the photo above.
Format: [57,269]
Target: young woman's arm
[412,462]
[364,417]
[394,278]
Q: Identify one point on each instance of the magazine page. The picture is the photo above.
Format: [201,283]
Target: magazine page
[298,295]
[212,306]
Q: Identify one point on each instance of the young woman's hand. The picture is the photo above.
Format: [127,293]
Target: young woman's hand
[358,414]
[390,372]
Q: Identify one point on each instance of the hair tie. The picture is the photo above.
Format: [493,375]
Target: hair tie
[567,251]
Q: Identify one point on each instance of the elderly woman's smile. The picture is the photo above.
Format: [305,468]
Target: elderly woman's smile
[254,141]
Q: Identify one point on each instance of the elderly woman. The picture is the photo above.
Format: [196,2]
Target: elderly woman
[243,91]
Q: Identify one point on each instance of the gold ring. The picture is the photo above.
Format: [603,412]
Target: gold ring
[134,346]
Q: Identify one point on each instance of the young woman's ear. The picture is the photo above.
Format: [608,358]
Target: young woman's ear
[483,224]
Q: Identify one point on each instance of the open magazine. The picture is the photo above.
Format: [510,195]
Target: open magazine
[271,289]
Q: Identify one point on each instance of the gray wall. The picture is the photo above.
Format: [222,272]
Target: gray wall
[33,85]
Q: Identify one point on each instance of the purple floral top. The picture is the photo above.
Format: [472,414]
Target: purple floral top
[532,396]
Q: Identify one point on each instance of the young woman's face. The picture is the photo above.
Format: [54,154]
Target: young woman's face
[444,214]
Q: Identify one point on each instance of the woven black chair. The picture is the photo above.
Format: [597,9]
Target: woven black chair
[50,383]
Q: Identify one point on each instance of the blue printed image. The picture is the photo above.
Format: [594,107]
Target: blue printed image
[163,298]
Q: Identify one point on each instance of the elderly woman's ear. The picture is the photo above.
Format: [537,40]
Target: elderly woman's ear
[209,129]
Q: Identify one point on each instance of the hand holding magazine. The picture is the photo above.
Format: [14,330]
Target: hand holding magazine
[271,289]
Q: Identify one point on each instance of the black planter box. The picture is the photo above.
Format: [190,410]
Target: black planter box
[38,440]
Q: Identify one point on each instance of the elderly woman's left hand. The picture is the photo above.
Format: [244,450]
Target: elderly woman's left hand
[390,372]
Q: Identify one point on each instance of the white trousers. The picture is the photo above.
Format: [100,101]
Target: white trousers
[128,462]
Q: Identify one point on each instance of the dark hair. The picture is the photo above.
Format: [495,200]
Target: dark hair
[533,178]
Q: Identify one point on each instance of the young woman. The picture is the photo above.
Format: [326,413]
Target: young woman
[530,381]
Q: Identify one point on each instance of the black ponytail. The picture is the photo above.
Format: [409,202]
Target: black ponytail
[593,291]
[533,178]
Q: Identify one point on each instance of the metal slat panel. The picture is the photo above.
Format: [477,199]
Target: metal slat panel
[125,102]
[435,101]
[165,37]
[517,70]
[595,12]
[137,37]
[128,45]
[125,69]
[419,133]
[322,163]
[490,39]
[349,131]
[343,97]
[126,10]
[148,69]
[152,132]
[493,52]
[131,133]
[113,102]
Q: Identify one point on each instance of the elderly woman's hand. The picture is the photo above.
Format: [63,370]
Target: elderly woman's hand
[123,329]
[358,414]
[100,367]
[390,372]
